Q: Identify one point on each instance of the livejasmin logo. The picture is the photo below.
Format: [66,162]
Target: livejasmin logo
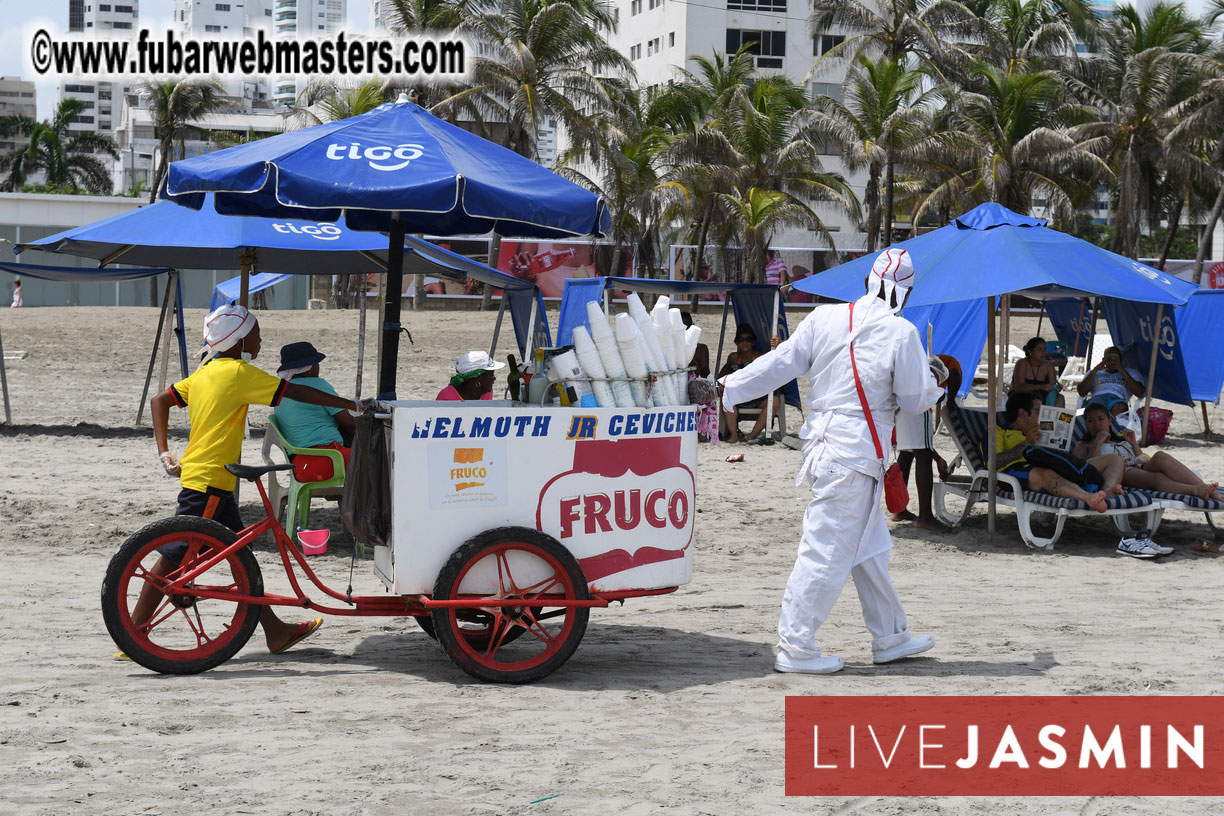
[324,232]
[973,746]
[377,155]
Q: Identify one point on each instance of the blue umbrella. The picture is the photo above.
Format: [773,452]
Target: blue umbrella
[991,250]
[396,168]
[163,234]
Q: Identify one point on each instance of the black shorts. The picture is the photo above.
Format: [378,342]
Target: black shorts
[215,504]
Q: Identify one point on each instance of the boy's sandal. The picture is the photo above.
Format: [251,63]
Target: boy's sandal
[1204,545]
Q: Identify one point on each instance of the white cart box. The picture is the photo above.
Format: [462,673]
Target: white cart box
[615,486]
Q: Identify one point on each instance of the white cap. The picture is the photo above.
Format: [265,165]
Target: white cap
[477,361]
[225,326]
[894,270]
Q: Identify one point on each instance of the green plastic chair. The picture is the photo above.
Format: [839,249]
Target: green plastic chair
[297,508]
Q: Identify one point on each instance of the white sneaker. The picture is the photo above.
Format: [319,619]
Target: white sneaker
[913,646]
[1138,548]
[807,665]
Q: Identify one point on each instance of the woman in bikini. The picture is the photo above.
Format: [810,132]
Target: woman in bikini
[745,352]
[1157,472]
[1036,374]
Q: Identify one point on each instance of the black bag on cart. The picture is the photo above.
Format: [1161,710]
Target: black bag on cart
[365,506]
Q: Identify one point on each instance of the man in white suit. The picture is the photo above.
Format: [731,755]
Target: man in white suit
[844,532]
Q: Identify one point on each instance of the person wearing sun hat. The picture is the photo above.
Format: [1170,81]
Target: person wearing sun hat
[307,425]
[844,532]
[473,378]
[217,396]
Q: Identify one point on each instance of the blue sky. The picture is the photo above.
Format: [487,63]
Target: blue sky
[22,18]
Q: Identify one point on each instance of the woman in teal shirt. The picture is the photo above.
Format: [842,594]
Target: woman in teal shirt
[311,426]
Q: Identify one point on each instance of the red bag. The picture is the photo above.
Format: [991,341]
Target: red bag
[896,493]
[1159,427]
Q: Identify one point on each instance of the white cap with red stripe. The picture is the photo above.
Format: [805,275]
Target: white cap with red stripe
[894,271]
[225,326]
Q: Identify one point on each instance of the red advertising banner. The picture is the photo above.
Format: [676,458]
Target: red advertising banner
[1005,746]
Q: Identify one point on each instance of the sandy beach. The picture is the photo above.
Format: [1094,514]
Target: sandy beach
[669,705]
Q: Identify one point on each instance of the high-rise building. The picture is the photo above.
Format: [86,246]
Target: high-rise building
[100,98]
[303,19]
[239,20]
[17,98]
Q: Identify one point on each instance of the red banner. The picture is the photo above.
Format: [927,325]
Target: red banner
[1006,746]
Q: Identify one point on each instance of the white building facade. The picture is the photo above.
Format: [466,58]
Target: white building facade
[303,19]
[100,98]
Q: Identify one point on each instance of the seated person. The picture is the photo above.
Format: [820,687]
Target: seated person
[701,357]
[473,378]
[745,352]
[1157,472]
[311,426]
[1035,373]
[1110,382]
[1102,475]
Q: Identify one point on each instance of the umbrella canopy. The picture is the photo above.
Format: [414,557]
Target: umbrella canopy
[163,234]
[396,168]
[991,250]
[397,158]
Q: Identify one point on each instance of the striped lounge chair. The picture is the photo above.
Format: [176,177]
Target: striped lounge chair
[967,428]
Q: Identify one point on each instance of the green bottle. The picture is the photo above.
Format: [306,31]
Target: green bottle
[514,378]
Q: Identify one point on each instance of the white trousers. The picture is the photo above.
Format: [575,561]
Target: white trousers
[833,526]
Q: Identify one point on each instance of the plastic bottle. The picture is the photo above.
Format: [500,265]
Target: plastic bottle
[550,260]
[514,377]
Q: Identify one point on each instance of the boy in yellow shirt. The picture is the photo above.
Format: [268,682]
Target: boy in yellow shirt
[217,396]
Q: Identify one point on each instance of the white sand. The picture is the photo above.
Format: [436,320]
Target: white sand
[668,705]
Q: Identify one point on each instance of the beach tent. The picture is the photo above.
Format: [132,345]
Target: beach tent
[991,252]
[76,274]
[397,169]
[756,304]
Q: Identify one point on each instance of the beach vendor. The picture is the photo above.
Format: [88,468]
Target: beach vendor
[863,362]
[473,378]
[216,397]
[311,426]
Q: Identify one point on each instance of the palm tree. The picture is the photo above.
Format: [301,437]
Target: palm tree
[405,17]
[551,62]
[1016,138]
[1036,33]
[325,100]
[173,105]
[750,150]
[69,159]
[883,112]
[1150,63]
[895,28]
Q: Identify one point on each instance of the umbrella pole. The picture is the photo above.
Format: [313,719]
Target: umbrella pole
[1040,317]
[1004,341]
[8,413]
[246,258]
[1096,303]
[391,314]
[773,332]
[361,338]
[382,305]
[153,356]
[1151,377]
[501,313]
[1202,404]
[180,332]
[991,410]
[165,355]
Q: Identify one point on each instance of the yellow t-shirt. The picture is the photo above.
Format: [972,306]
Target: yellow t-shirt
[216,397]
[1005,439]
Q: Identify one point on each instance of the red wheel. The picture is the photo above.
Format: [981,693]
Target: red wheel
[184,634]
[511,644]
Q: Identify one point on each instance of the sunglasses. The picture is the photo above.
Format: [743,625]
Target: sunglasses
[745,339]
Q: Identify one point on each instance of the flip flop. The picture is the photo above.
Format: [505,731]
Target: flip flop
[121,656]
[1203,545]
[305,630]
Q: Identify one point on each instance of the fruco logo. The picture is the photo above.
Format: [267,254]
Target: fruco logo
[405,153]
[324,232]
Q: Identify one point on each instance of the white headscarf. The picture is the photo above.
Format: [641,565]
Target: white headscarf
[892,272]
[224,327]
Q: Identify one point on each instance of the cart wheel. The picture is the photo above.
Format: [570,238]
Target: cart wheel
[510,644]
[476,627]
[185,634]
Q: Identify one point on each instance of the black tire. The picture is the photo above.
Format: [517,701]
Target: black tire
[515,644]
[474,635]
[219,627]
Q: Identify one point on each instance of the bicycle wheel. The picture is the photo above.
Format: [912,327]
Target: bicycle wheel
[185,634]
[511,644]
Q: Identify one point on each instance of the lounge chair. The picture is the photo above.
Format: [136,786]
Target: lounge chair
[967,428]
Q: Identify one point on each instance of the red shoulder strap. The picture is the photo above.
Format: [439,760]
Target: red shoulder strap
[858,384]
